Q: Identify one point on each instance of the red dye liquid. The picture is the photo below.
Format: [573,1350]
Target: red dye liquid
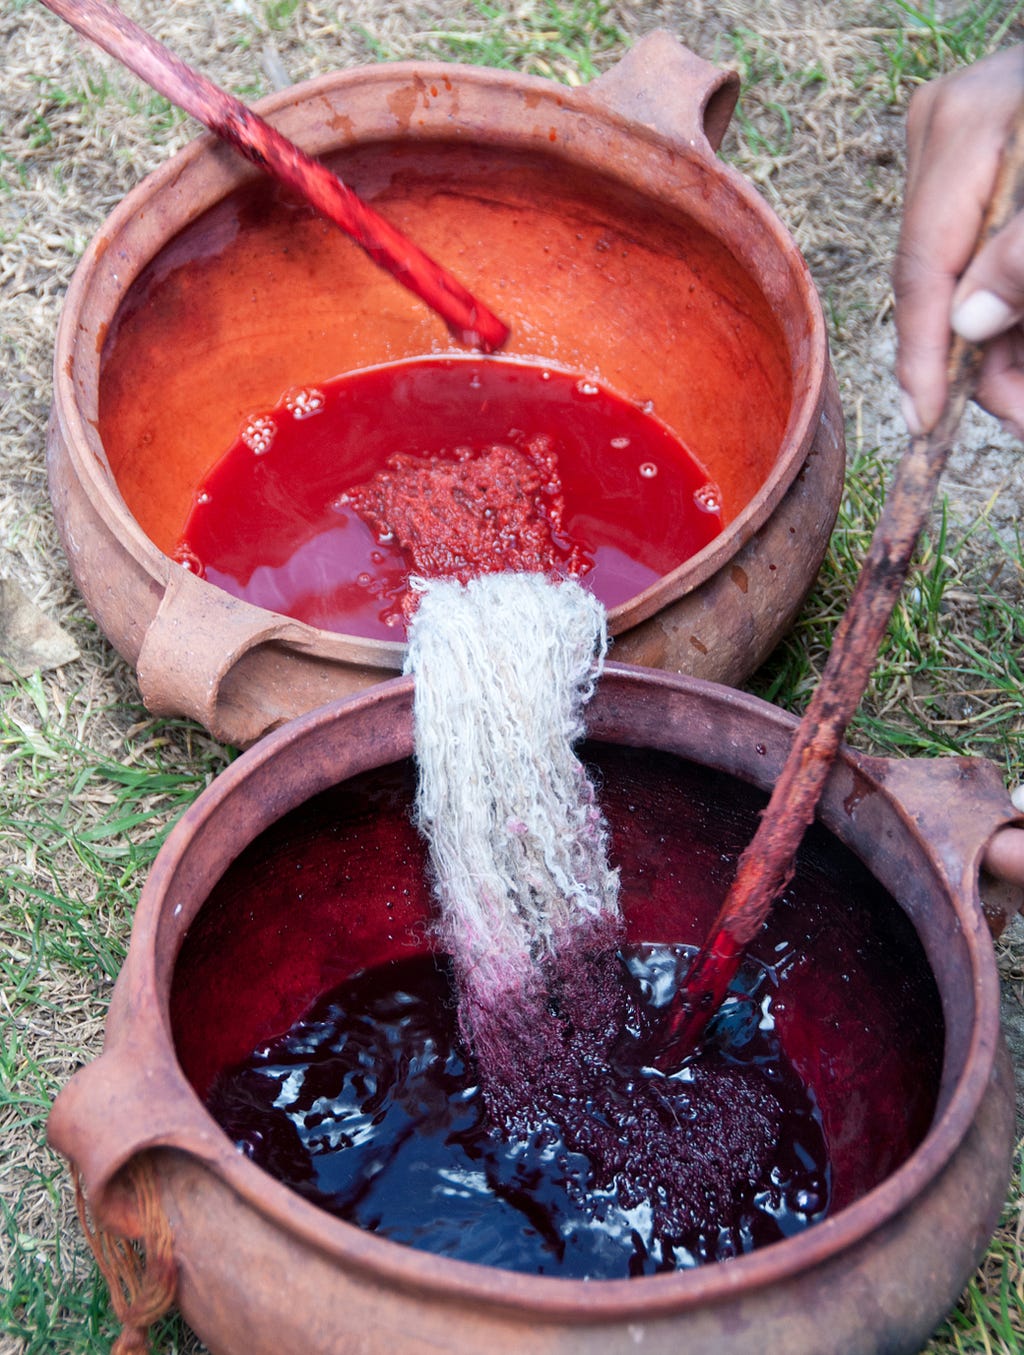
[620,501]
[372,1107]
[315,922]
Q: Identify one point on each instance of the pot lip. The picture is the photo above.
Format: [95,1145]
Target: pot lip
[82,438]
[392,1263]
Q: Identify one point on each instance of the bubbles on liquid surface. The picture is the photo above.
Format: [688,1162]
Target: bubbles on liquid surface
[708,498]
[190,561]
[648,470]
[504,409]
[258,434]
[304,401]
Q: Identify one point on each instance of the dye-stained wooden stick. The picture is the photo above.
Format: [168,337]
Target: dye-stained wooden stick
[766,865]
[468,319]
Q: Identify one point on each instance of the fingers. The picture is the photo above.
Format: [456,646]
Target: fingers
[1004,856]
[990,297]
[956,129]
[1000,385]
[938,233]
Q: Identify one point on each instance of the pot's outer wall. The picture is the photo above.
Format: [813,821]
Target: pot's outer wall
[766,420]
[249,1291]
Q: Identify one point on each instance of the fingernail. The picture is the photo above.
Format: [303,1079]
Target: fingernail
[910,414]
[982,316]
[1017,798]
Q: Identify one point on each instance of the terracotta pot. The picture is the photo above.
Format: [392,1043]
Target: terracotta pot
[597,221]
[259,1269]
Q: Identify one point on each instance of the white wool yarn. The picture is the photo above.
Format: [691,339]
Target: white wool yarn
[504,666]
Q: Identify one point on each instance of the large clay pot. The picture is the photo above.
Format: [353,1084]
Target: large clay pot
[260,1270]
[601,226]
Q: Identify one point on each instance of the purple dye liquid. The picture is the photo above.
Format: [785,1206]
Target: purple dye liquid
[371,1106]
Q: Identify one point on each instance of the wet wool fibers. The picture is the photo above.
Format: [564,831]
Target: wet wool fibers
[529,914]
[504,666]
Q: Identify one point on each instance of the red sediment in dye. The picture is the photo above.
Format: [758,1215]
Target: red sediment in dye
[551,1061]
[590,484]
[478,513]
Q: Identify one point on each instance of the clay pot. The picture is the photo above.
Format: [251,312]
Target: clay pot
[596,221]
[260,1270]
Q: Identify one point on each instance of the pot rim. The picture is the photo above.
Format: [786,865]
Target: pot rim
[595,125]
[392,1263]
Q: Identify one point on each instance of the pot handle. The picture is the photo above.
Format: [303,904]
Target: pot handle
[663,85]
[197,637]
[973,787]
[111,1113]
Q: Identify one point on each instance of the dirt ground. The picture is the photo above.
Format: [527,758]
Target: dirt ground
[76,134]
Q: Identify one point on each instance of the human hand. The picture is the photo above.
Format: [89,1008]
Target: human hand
[956,129]
[1004,856]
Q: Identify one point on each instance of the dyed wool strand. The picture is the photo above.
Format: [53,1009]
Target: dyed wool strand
[504,666]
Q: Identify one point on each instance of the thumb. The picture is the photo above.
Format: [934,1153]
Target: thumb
[989,298]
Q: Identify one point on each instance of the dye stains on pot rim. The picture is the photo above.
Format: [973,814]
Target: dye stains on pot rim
[910,1243]
[466,136]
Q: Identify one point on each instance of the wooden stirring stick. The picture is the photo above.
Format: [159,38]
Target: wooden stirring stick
[468,319]
[766,865]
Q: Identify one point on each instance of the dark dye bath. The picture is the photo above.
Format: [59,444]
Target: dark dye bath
[619,500]
[372,1107]
[308,1011]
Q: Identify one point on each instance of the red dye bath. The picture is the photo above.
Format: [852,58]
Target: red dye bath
[327,502]
[307,981]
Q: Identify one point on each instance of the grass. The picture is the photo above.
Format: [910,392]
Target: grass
[928,41]
[278,14]
[90,784]
[561,41]
[763,119]
[949,679]
[79,830]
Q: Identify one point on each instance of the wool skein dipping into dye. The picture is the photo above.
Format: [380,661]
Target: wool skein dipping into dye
[504,666]
[567,1158]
